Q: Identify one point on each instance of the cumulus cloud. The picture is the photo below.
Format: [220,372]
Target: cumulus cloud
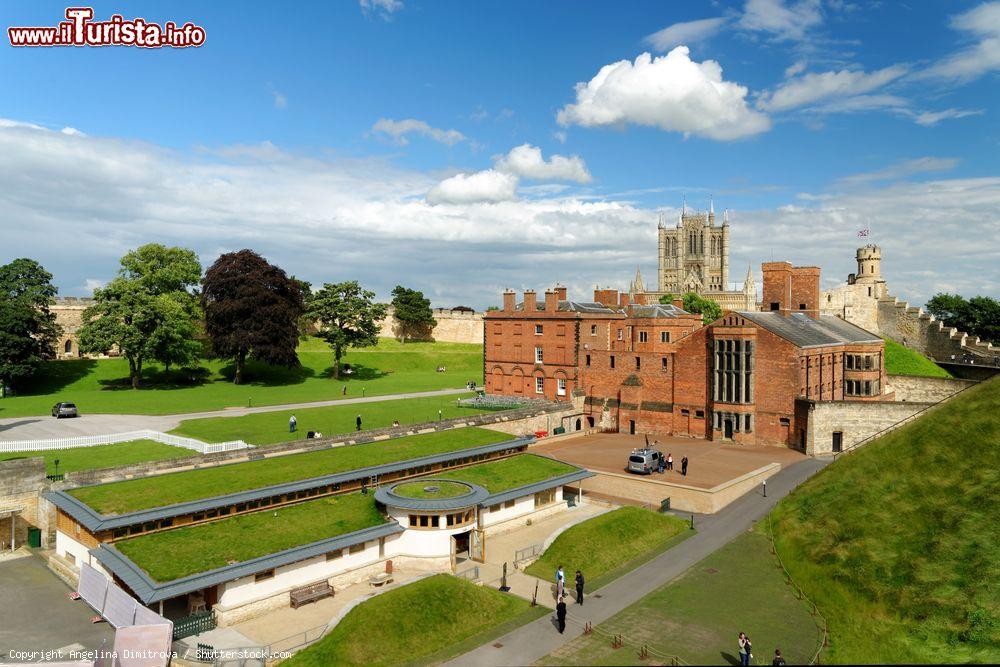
[685,33]
[780,20]
[671,92]
[488,185]
[398,129]
[384,8]
[527,161]
[982,24]
[806,89]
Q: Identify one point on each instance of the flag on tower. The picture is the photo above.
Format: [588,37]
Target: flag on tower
[862,233]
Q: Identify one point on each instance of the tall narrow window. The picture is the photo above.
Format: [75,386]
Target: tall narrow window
[539,385]
[612,361]
[561,387]
[538,355]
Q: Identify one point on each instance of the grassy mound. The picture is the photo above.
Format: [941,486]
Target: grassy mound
[899,542]
[609,545]
[389,368]
[417,621]
[102,456]
[901,360]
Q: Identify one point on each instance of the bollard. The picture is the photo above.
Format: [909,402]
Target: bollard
[692,522]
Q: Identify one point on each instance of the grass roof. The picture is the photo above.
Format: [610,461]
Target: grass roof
[430,489]
[510,473]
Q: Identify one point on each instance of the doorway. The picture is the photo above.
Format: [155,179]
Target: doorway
[838,441]
[631,427]
[728,428]
[460,547]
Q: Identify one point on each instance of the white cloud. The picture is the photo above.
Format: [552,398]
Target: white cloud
[488,185]
[559,136]
[982,23]
[685,33]
[796,68]
[398,129]
[527,161]
[280,101]
[839,87]
[92,284]
[670,92]
[782,21]
[901,170]
[384,8]
[930,118]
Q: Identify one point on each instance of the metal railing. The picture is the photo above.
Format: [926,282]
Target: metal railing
[527,553]
[471,574]
[14,446]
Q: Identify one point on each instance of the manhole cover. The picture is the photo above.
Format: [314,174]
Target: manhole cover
[711,570]
[498,645]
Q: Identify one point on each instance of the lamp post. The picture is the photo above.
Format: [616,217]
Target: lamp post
[765,488]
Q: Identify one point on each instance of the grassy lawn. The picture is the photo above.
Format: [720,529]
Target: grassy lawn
[102,456]
[266,428]
[178,553]
[138,494]
[425,620]
[430,489]
[510,473]
[610,544]
[699,615]
[901,360]
[389,368]
[899,542]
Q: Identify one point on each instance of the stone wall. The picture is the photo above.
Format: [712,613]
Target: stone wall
[21,481]
[926,334]
[857,303]
[453,326]
[856,421]
[914,389]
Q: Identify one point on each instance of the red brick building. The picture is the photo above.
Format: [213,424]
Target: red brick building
[747,377]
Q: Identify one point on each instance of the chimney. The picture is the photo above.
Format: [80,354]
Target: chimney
[678,303]
[805,290]
[623,300]
[551,301]
[509,300]
[777,286]
[530,303]
[561,291]
[606,297]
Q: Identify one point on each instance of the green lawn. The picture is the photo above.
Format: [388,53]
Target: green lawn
[266,428]
[510,473]
[901,360]
[699,616]
[102,456]
[425,621]
[610,544]
[178,553]
[139,494]
[899,542]
[389,368]
[428,489]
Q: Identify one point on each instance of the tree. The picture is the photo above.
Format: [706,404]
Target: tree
[978,316]
[252,310]
[28,329]
[412,312]
[147,311]
[695,303]
[668,298]
[348,317]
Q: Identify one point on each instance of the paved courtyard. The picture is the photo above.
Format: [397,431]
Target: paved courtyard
[709,463]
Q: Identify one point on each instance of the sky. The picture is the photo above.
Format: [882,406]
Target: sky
[461,148]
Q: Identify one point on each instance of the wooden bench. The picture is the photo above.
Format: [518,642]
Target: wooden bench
[310,593]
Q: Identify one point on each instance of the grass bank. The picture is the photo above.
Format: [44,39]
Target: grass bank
[102,386]
[609,545]
[430,619]
[899,542]
[102,456]
[901,360]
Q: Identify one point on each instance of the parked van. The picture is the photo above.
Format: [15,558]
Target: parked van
[644,461]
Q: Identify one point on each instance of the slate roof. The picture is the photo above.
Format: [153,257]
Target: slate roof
[655,310]
[805,331]
[149,591]
[93,521]
[529,489]
[476,493]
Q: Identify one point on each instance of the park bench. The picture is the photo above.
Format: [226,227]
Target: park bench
[380,579]
[310,593]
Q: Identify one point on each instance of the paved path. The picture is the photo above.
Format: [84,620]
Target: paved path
[38,428]
[537,639]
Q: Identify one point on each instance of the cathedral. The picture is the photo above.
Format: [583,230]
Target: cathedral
[694,257]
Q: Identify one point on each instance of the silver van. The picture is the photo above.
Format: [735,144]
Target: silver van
[644,461]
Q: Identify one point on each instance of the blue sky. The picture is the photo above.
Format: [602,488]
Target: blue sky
[380,140]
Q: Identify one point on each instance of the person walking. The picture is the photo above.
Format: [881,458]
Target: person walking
[684,466]
[560,582]
[344,393]
[357,422]
[744,644]
[561,614]
[662,466]
[778,660]
[292,424]
[579,587]
[670,462]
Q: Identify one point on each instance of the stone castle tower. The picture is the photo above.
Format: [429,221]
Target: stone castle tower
[694,255]
[869,266]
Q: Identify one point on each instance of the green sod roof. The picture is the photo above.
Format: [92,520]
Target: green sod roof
[430,489]
[510,473]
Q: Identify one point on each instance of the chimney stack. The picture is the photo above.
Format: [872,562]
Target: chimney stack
[551,301]
[530,302]
[561,291]
[790,289]
[509,300]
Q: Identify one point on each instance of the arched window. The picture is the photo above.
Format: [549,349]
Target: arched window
[68,347]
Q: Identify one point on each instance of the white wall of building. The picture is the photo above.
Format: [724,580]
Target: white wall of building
[499,521]
[424,542]
[76,552]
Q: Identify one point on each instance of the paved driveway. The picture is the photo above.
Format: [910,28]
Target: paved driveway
[37,614]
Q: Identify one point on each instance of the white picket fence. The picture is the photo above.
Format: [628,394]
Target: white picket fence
[110,439]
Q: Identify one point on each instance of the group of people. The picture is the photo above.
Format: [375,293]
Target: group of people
[293,425]
[578,582]
[667,464]
[746,651]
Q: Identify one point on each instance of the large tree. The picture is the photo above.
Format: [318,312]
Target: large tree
[348,317]
[28,329]
[148,311]
[695,303]
[412,312]
[252,310]
[978,316]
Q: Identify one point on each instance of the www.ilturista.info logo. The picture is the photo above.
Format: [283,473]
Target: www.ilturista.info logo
[81,30]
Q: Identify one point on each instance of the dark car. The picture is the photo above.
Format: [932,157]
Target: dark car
[60,410]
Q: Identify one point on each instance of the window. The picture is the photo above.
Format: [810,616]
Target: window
[802,306]
[588,360]
[685,413]
[414,521]
[746,419]
[785,421]
[733,371]
[621,334]
[263,576]
[642,336]
[638,363]
[612,361]
[663,363]
[356,548]
[699,414]
[507,505]
[775,306]
[593,329]
[539,385]
[334,555]
[664,336]
[538,355]
[495,508]
[560,387]
[546,497]
[538,329]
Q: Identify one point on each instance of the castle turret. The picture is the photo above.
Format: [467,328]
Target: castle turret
[869,264]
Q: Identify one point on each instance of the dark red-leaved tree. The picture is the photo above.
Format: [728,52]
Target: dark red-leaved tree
[252,309]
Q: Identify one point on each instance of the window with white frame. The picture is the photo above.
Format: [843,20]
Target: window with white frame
[538,329]
[538,355]
[664,336]
[642,336]
[621,334]
[539,385]
[561,387]
[593,329]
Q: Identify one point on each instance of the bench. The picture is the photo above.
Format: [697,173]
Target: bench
[381,579]
[310,593]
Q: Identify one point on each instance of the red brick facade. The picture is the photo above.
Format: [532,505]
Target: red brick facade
[656,369]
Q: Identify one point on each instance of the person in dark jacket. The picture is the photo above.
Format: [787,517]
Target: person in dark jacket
[561,614]
[579,587]
[357,422]
[778,660]
[684,466]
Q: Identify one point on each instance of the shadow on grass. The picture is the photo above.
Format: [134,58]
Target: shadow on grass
[55,375]
[360,372]
[258,374]
[729,658]
[158,378]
